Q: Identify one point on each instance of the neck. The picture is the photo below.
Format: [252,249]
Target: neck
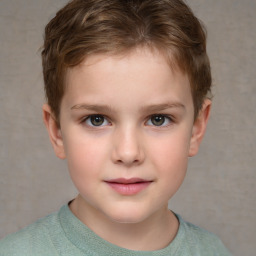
[153,233]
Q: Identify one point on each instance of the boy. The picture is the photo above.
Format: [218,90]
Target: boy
[126,84]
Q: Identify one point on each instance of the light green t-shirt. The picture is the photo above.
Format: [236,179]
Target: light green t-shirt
[63,234]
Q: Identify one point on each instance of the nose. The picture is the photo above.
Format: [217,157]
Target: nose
[127,148]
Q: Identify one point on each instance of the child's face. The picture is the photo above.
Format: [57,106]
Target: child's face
[127,130]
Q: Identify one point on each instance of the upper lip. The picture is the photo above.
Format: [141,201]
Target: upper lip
[127,181]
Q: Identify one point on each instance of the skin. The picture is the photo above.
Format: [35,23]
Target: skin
[130,93]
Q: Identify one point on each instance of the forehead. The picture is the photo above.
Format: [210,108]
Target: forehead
[131,57]
[139,72]
[150,51]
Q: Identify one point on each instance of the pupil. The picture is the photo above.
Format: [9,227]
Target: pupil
[157,120]
[97,120]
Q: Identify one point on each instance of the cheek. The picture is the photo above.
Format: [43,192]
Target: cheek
[170,157]
[171,147]
[85,161]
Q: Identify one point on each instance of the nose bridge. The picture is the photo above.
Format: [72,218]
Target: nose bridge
[128,145]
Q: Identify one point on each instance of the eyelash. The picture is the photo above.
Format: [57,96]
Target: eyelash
[89,118]
[167,118]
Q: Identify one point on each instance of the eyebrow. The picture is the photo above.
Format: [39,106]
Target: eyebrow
[96,108]
[161,107]
[149,108]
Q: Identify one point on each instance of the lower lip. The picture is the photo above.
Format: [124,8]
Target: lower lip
[129,189]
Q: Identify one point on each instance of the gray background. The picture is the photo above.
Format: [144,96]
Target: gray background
[219,192]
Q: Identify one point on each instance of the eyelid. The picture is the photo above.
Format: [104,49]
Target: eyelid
[84,119]
[169,117]
[166,116]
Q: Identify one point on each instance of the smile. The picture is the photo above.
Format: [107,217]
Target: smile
[128,187]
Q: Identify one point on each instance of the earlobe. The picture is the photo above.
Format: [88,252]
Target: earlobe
[53,131]
[199,127]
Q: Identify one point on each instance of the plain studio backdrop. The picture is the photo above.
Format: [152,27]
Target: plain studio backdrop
[219,191]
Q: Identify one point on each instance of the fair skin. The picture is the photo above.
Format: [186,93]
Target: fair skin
[127,129]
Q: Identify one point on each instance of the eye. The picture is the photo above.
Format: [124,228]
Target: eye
[96,120]
[159,120]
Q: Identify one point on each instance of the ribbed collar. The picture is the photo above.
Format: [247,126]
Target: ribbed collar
[88,242]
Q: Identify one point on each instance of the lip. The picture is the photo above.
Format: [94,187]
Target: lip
[128,187]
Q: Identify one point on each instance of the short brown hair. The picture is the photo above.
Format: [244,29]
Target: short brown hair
[86,27]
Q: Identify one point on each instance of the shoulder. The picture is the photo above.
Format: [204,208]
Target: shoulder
[201,242]
[34,240]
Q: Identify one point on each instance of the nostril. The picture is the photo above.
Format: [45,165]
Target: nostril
[128,162]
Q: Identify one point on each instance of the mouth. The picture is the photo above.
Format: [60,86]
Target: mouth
[128,187]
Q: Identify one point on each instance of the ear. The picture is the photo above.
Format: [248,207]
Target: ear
[53,131]
[199,127]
